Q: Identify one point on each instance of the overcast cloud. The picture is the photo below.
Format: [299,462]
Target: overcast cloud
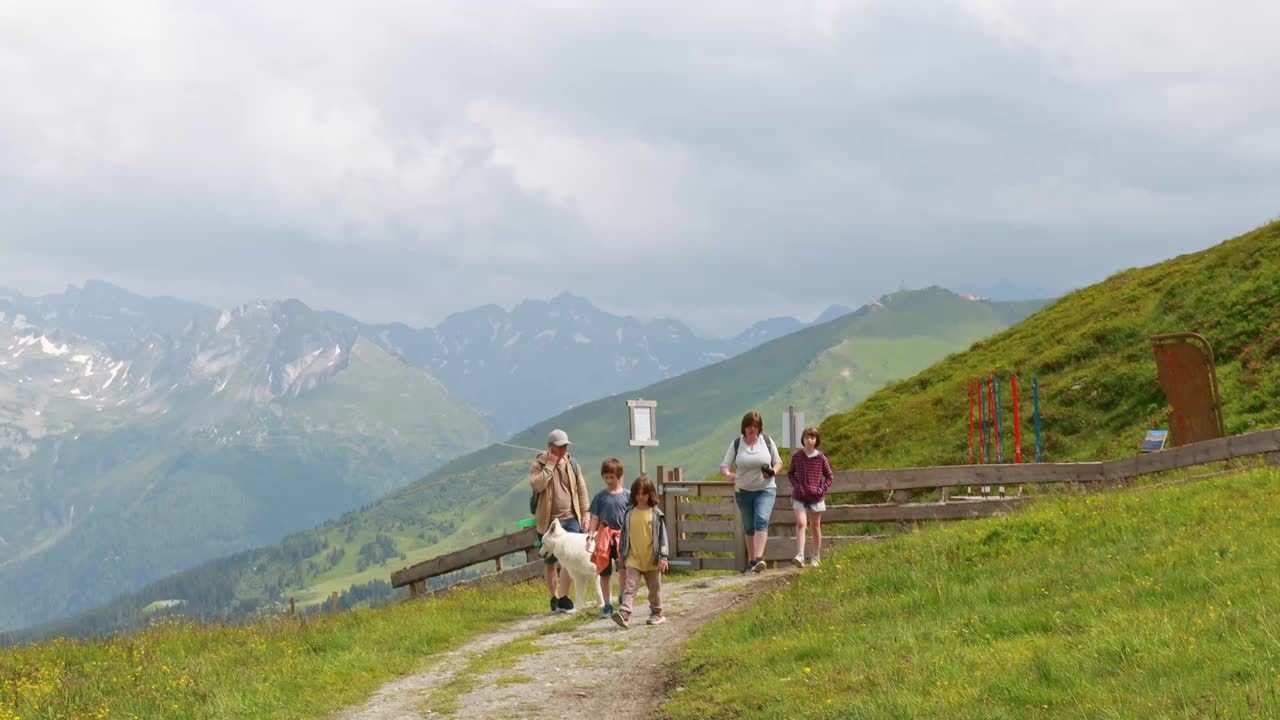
[716,161]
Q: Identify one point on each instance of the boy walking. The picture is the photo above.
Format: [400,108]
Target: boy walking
[608,510]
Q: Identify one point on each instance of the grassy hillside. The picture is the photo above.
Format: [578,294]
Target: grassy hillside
[1155,603]
[481,494]
[1091,353]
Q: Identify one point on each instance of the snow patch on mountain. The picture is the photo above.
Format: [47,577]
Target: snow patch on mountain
[49,348]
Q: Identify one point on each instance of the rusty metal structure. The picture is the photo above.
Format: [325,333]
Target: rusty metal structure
[1187,375]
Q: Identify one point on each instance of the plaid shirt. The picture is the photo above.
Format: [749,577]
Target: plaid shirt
[810,477]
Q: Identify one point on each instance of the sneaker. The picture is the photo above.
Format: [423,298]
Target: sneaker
[798,561]
[564,604]
[656,619]
[623,619]
[607,611]
[750,567]
[758,566]
[813,561]
[555,607]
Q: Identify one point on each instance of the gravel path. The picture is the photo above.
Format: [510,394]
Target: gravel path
[547,666]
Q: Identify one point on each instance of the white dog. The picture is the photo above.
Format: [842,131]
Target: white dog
[571,550]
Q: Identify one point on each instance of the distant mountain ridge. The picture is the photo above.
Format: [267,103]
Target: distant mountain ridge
[509,366]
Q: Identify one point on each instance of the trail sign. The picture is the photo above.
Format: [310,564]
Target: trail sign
[1154,440]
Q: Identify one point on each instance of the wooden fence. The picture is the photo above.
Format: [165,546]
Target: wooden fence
[696,510]
[416,576]
[705,531]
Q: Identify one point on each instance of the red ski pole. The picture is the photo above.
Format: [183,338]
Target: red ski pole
[1017,427]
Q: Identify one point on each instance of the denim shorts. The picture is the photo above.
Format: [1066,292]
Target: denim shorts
[755,507]
[569,525]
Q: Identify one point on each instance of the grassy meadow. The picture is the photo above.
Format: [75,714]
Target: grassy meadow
[1147,603]
[278,669]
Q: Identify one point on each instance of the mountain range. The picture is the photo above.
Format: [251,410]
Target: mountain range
[823,368]
[140,436]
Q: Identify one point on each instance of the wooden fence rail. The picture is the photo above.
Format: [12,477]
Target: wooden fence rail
[416,576]
[699,508]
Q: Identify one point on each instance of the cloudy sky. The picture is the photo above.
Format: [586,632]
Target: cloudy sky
[715,161]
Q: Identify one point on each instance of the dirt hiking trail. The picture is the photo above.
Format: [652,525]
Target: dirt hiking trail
[543,665]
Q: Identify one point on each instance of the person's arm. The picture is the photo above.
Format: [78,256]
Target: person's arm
[540,473]
[727,463]
[777,459]
[829,477]
[580,485]
[791,470]
[594,524]
[662,545]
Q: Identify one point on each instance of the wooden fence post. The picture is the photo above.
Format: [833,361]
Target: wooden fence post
[672,509]
[333,601]
[498,561]
[292,608]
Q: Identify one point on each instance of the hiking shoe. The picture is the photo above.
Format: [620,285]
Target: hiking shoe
[555,606]
[758,566]
[565,604]
[750,567]
[813,561]
[798,561]
[657,619]
[623,619]
[607,611]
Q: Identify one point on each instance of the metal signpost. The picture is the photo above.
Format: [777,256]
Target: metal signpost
[792,426]
[643,416]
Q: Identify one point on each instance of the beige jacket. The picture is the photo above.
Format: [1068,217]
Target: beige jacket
[540,476]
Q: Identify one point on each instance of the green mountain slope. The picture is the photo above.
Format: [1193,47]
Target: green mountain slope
[147,497]
[1091,353]
[476,496]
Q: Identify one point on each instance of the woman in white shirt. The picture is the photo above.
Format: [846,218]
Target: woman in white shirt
[755,462]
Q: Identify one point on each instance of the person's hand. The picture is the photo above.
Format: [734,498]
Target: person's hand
[662,565]
[731,476]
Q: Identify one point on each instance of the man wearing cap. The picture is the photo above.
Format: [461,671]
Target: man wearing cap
[562,495]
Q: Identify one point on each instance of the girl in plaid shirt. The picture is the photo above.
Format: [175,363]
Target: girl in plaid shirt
[811,478]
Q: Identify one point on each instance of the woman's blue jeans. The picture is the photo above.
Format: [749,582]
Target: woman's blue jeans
[755,507]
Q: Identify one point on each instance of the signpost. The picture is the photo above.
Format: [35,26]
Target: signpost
[792,426]
[643,416]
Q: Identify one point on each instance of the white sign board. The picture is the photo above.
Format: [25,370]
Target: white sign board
[640,424]
[644,422]
[785,440]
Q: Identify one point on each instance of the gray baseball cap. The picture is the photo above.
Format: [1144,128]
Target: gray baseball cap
[559,438]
